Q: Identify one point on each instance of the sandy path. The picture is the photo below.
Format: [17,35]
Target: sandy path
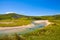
[15,29]
[26,26]
[20,28]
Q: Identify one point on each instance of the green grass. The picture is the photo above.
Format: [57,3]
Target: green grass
[51,32]
[15,22]
[11,37]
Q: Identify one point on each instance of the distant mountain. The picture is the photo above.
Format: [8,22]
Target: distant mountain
[57,16]
[10,16]
[51,17]
[15,16]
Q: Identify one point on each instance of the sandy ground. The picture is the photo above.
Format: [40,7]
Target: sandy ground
[25,26]
[20,28]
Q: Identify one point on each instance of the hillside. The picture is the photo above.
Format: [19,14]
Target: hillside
[13,19]
[10,16]
[16,16]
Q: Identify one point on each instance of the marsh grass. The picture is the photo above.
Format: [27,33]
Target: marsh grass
[12,37]
[51,32]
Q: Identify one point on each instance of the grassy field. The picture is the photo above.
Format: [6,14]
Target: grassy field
[11,37]
[14,22]
[51,32]
[13,19]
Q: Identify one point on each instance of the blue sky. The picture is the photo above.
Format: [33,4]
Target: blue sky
[30,7]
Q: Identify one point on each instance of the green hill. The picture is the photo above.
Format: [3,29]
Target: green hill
[10,16]
[16,16]
[13,19]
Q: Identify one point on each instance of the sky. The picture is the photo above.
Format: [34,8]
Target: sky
[30,7]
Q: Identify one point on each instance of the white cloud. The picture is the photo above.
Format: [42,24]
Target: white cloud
[10,12]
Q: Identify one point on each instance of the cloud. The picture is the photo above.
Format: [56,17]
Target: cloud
[10,12]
